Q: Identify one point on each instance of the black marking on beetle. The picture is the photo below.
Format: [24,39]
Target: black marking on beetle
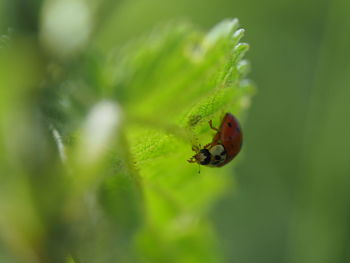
[238,129]
[223,153]
[217,157]
[206,153]
[229,124]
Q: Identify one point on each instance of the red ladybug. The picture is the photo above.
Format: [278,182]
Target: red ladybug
[226,144]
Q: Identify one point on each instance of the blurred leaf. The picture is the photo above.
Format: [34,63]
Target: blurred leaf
[109,144]
[170,84]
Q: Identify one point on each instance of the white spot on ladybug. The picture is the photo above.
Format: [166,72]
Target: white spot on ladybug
[218,155]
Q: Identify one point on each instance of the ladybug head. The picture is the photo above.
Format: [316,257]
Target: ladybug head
[203,157]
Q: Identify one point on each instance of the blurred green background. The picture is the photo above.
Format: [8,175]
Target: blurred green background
[292,199]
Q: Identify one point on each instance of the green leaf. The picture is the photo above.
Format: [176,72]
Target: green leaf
[170,84]
[102,159]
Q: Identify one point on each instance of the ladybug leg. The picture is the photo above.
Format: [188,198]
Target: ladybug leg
[208,145]
[195,148]
[211,126]
[191,160]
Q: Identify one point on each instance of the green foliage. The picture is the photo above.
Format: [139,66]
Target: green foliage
[107,136]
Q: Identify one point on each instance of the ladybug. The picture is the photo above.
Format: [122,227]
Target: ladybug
[226,144]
